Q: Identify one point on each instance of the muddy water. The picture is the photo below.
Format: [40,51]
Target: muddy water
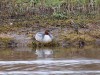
[50,61]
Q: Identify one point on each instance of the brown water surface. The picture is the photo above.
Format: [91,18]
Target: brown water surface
[50,61]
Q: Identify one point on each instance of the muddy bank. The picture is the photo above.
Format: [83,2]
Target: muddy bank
[63,38]
[14,40]
[22,32]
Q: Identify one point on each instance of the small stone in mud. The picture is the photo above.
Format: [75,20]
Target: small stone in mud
[12,43]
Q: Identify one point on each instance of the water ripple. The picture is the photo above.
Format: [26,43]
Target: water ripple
[49,72]
[54,62]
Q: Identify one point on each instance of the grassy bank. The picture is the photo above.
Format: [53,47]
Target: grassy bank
[7,41]
[63,30]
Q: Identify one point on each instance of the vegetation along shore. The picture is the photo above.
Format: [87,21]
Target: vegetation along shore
[71,22]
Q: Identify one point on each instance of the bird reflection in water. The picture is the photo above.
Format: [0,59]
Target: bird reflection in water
[45,53]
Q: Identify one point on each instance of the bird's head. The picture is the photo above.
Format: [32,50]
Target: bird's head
[47,32]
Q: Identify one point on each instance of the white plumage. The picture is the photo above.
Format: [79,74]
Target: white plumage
[44,37]
[47,39]
[39,36]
